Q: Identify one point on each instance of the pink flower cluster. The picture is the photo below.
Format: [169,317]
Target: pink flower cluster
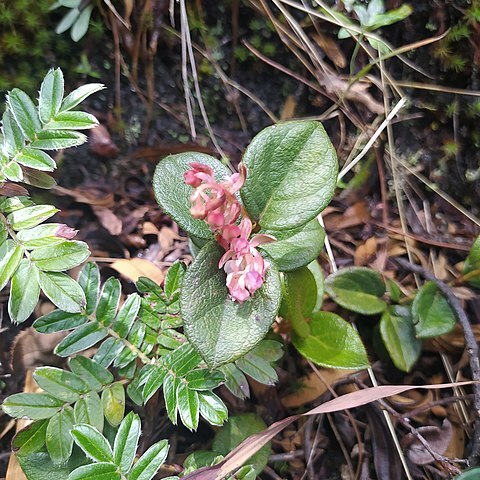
[217,204]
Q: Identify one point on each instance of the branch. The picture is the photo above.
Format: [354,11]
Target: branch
[470,342]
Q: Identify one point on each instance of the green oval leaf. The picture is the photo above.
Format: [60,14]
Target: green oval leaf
[127,315]
[297,247]
[88,409]
[10,257]
[61,257]
[431,312]
[60,383]
[126,442]
[62,291]
[30,439]
[212,409]
[35,406]
[24,291]
[58,139]
[358,289]
[41,236]
[188,406]
[113,401]
[58,321]
[93,443]
[30,157]
[95,471]
[31,216]
[332,343]
[173,195]
[317,272]
[291,174]
[150,462]
[89,280]
[51,95]
[109,300]
[92,372]
[12,135]
[398,335]
[24,112]
[58,439]
[72,121]
[220,329]
[80,339]
[79,95]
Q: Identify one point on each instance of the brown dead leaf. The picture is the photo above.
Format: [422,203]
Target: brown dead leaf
[134,268]
[437,437]
[149,229]
[453,342]
[108,219]
[313,386]
[91,193]
[357,214]
[365,252]
[101,142]
[330,47]
[9,189]
[166,238]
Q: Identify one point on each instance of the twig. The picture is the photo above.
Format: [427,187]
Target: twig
[471,344]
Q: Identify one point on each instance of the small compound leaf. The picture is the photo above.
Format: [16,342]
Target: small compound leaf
[89,280]
[61,257]
[212,409]
[398,335]
[174,279]
[204,379]
[88,409]
[42,235]
[431,312]
[358,289]
[72,121]
[113,401]
[79,95]
[297,247]
[33,158]
[154,381]
[126,442]
[173,195]
[108,351]
[95,471]
[257,368]
[291,174]
[221,329]
[51,95]
[236,381]
[24,292]
[332,343]
[149,463]
[58,321]
[269,350]
[13,172]
[31,216]
[170,388]
[58,439]
[62,384]
[82,338]
[91,372]
[108,302]
[38,179]
[93,443]
[24,112]
[188,406]
[10,257]
[13,137]
[80,26]
[30,439]
[35,406]
[62,291]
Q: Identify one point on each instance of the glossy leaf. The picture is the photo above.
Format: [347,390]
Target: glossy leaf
[79,95]
[431,312]
[62,291]
[332,343]
[82,338]
[154,382]
[13,172]
[113,401]
[62,384]
[24,292]
[257,368]
[33,158]
[220,329]
[58,440]
[108,351]
[358,289]
[58,139]
[35,406]
[170,387]
[58,321]
[91,372]
[31,216]
[236,381]
[126,442]
[24,112]
[59,258]
[173,195]
[127,315]
[13,137]
[95,471]
[174,279]
[297,247]
[89,280]
[30,439]
[11,204]
[108,301]
[398,335]
[51,95]
[41,236]
[291,174]
[88,409]
[149,463]
[204,379]
[10,257]
[188,406]
[212,409]
[93,443]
